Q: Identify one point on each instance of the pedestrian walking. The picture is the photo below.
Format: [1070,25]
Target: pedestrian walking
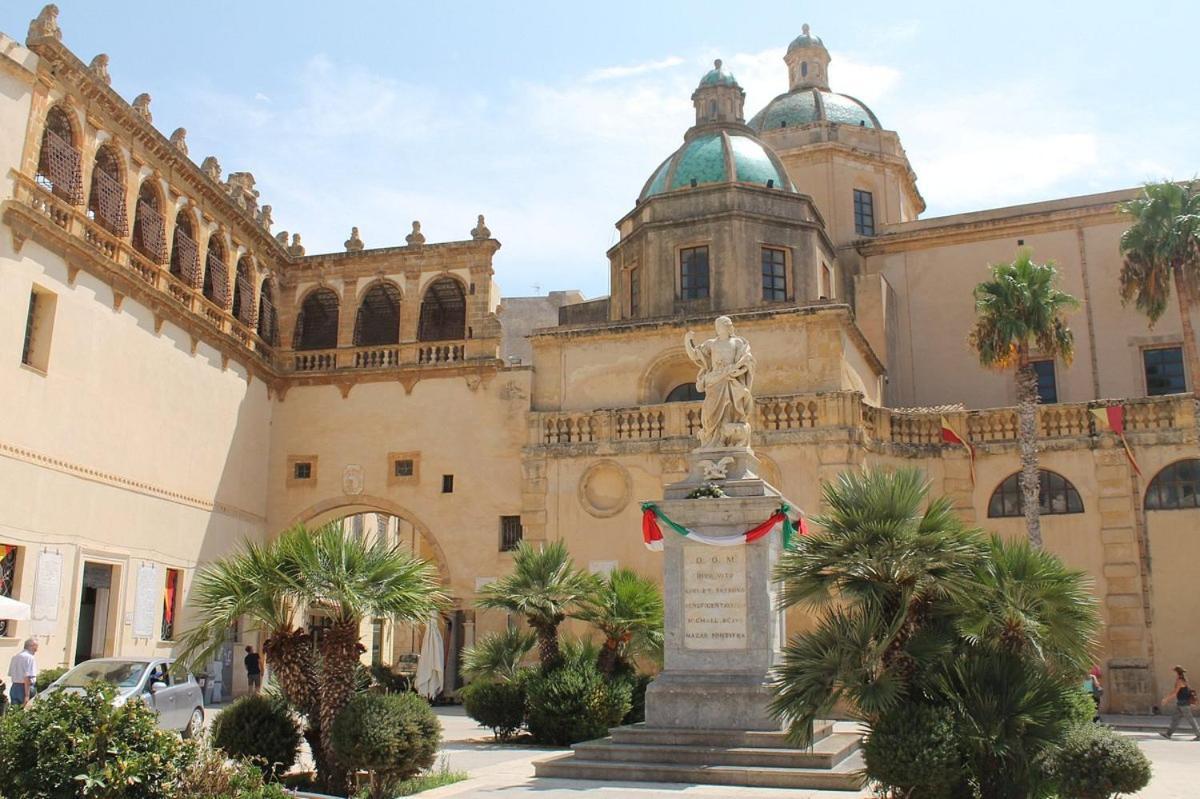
[1184,698]
[1094,688]
[22,672]
[253,670]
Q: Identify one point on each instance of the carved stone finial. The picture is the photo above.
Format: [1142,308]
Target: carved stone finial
[99,68]
[297,249]
[45,25]
[481,230]
[141,106]
[179,140]
[282,238]
[240,187]
[212,167]
[264,218]
[355,242]
[416,238]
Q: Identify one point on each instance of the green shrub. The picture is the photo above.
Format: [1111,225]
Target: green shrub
[388,681]
[912,751]
[1081,708]
[1094,762]
[259,729]
[498,705]
[574,703]
[66,745]
[48,676]
[392,736]
[637,708]
[212,775]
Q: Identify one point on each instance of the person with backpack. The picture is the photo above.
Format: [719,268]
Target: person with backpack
[1184,698]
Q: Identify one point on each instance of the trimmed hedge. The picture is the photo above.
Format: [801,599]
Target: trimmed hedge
[498,705]
[574,703]
[1095,762]
[913,751]
[261,730]
[393,736]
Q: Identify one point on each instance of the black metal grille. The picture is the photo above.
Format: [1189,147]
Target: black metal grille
[317,322]
[149,233]
[378,319]
[443,312]
[693,273]
[106,203]
[510,533]
[59,167]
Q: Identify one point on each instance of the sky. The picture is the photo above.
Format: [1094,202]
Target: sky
[548,117]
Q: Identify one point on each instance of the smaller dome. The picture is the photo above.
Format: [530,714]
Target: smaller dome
[809,105]
[706,159]
[805,39]
[717,76]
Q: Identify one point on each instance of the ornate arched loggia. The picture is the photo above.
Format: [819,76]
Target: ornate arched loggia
[339,507]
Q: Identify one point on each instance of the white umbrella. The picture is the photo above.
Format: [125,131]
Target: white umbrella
[431,662]
[14,610]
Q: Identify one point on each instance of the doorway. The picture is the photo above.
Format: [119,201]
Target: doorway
[95,618]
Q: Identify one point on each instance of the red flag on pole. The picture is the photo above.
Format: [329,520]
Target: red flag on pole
[1112,418]
[951,436]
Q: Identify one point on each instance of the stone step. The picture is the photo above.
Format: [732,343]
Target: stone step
[825,754]
[845,777]
[641,734]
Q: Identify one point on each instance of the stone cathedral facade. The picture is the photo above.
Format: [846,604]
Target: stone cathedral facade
[177,377]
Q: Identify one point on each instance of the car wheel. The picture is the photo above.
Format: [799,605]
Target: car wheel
[195,724]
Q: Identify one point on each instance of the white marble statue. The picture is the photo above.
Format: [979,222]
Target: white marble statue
[726,376]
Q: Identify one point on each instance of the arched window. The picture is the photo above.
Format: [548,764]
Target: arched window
[378,319]
[268,321]
[59,165]
[106,201]
[149,229]
[317,322]
[1056,495]
[243,292]
[1175,487]
[684,392]
[443,312]
[216,274]
[185,252]
[804,69]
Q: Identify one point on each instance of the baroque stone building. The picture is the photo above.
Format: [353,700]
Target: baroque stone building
[179,378]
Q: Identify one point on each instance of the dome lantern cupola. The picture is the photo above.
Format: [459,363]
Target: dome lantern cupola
[719,98]
[808,62]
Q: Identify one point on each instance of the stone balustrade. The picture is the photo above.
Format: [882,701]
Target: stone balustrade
[845,409]
[388,356]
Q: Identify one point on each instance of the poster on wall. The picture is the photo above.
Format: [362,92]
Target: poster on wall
[46,592]
[147,601]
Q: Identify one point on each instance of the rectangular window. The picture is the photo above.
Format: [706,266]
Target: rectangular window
[825,283]
[635,292]
[8,580]
[693,273]
[39,324]
[447,484]
[376,642]
[403,467]
[1046,386]
[864,213]
[774,274]
[1164,371]
[510,533]
[302,470]
[170,604]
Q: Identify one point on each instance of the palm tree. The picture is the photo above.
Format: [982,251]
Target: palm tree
[881,574]
[1018,310]
[544,587]
[628,609]
[350,580]
[498,656]
[254,584]
[1163,245]
[1030,605]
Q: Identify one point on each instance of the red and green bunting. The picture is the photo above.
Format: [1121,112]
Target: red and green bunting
[653,538]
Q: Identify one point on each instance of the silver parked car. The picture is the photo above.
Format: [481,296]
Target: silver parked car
[173,693]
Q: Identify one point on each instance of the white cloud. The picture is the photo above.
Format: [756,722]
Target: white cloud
[610,73]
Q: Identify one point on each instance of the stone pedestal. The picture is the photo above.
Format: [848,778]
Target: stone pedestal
[722,627]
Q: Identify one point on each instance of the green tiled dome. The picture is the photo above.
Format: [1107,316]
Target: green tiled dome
[702,161]
[718,76]
[805,106]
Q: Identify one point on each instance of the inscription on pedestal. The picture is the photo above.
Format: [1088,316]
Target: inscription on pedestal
[714,597]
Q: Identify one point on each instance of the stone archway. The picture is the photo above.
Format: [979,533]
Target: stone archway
[337,507]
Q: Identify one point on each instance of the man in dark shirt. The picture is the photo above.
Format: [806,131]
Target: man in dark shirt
[253,670]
